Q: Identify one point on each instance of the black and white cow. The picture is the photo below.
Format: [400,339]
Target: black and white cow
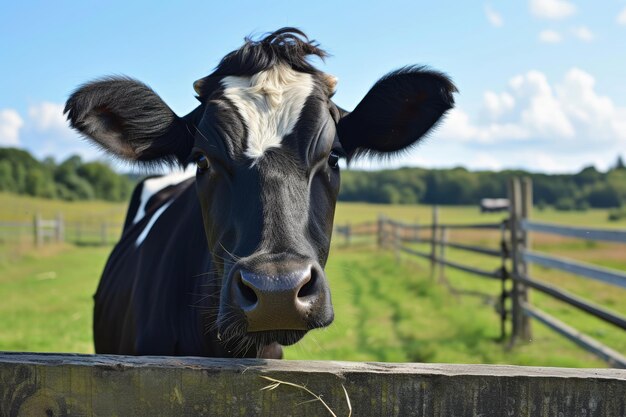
[229,261]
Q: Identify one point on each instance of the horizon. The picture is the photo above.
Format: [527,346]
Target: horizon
[541,86]
[138,169]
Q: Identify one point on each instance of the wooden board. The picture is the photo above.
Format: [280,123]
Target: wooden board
[101,385]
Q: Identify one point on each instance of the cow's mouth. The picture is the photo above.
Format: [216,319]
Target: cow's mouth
[282,337]
[247,343]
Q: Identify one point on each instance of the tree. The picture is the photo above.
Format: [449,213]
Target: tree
[107,185]
[7,182]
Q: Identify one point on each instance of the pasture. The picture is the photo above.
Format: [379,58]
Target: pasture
[386,309]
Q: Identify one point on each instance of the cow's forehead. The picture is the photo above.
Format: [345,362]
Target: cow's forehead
[270,103]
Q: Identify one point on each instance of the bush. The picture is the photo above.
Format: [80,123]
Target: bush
[617,214]
[565,204]
[582,205]
[541,205]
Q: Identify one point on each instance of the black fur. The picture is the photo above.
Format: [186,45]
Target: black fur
[398,110]
[128,119]
[270,217]
[288,46]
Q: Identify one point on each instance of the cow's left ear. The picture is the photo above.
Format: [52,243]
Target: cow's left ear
[399,110]
[128,119]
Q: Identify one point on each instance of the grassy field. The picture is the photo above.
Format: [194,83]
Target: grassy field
[355,213]
[386,309]
[19,208]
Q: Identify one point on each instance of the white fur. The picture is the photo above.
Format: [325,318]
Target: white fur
[154,185]
[270,103]
[146,230]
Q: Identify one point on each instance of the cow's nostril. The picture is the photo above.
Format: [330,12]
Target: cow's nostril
[248,296]
[310,287]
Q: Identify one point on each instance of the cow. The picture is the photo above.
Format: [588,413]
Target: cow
[228,261]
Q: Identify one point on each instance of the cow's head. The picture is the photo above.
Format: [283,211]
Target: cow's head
[267,139]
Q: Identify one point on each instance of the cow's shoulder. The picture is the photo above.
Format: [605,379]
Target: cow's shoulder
[152,192]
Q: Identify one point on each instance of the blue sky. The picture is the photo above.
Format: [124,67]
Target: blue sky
[543,82]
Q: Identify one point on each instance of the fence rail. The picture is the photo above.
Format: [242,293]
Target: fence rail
[575,301]
[109,385]
[41,231]
[612,357]
[607,235]
[598,273]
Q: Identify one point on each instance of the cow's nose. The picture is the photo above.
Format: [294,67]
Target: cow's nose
[279,301]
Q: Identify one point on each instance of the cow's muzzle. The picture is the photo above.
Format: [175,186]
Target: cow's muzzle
[281,296]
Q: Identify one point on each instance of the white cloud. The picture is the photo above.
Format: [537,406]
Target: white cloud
[487,161]
[493,17]
[10,125]
[552,9]
[48,116]
[497,104]
[583,33]
[595,116]
[569,114]
[459,127]
[46,132]
[550,36]
[542,114]
[621,17]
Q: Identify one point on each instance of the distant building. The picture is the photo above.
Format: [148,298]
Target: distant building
[493,205]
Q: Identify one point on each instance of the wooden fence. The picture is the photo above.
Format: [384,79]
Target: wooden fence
[107,385]
[42,231]
[523,257]
[516,256]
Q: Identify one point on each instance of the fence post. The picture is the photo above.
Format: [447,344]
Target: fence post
[433,242]
[379,231]
[521,325]
[504,276]
[59,230]
[79,232]
[442,253]
[526,206]
[38,230]
[103,232]
[397,241]
[348,232]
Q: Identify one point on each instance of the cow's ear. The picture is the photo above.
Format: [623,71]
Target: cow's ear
[129,120]
[399,110]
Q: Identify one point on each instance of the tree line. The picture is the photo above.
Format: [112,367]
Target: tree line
[458,186]
[74,179]
[71,179]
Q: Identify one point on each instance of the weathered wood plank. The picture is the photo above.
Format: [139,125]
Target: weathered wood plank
[612,357]
[84,385]
[607,235]
[573,300]
[607,275]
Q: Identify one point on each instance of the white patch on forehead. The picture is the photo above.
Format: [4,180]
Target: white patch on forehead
[270,103]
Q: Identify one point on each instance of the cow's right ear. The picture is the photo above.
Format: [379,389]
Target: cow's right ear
[128,119]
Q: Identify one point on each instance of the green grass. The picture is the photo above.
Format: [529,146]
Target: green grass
[46,300]
[355,213]
[18,208]
[386,310]
[393,311]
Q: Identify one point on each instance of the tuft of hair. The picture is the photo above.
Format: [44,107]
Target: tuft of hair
[287,46]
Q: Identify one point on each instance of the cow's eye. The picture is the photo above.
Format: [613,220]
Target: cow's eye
[333,159]
[202,163]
